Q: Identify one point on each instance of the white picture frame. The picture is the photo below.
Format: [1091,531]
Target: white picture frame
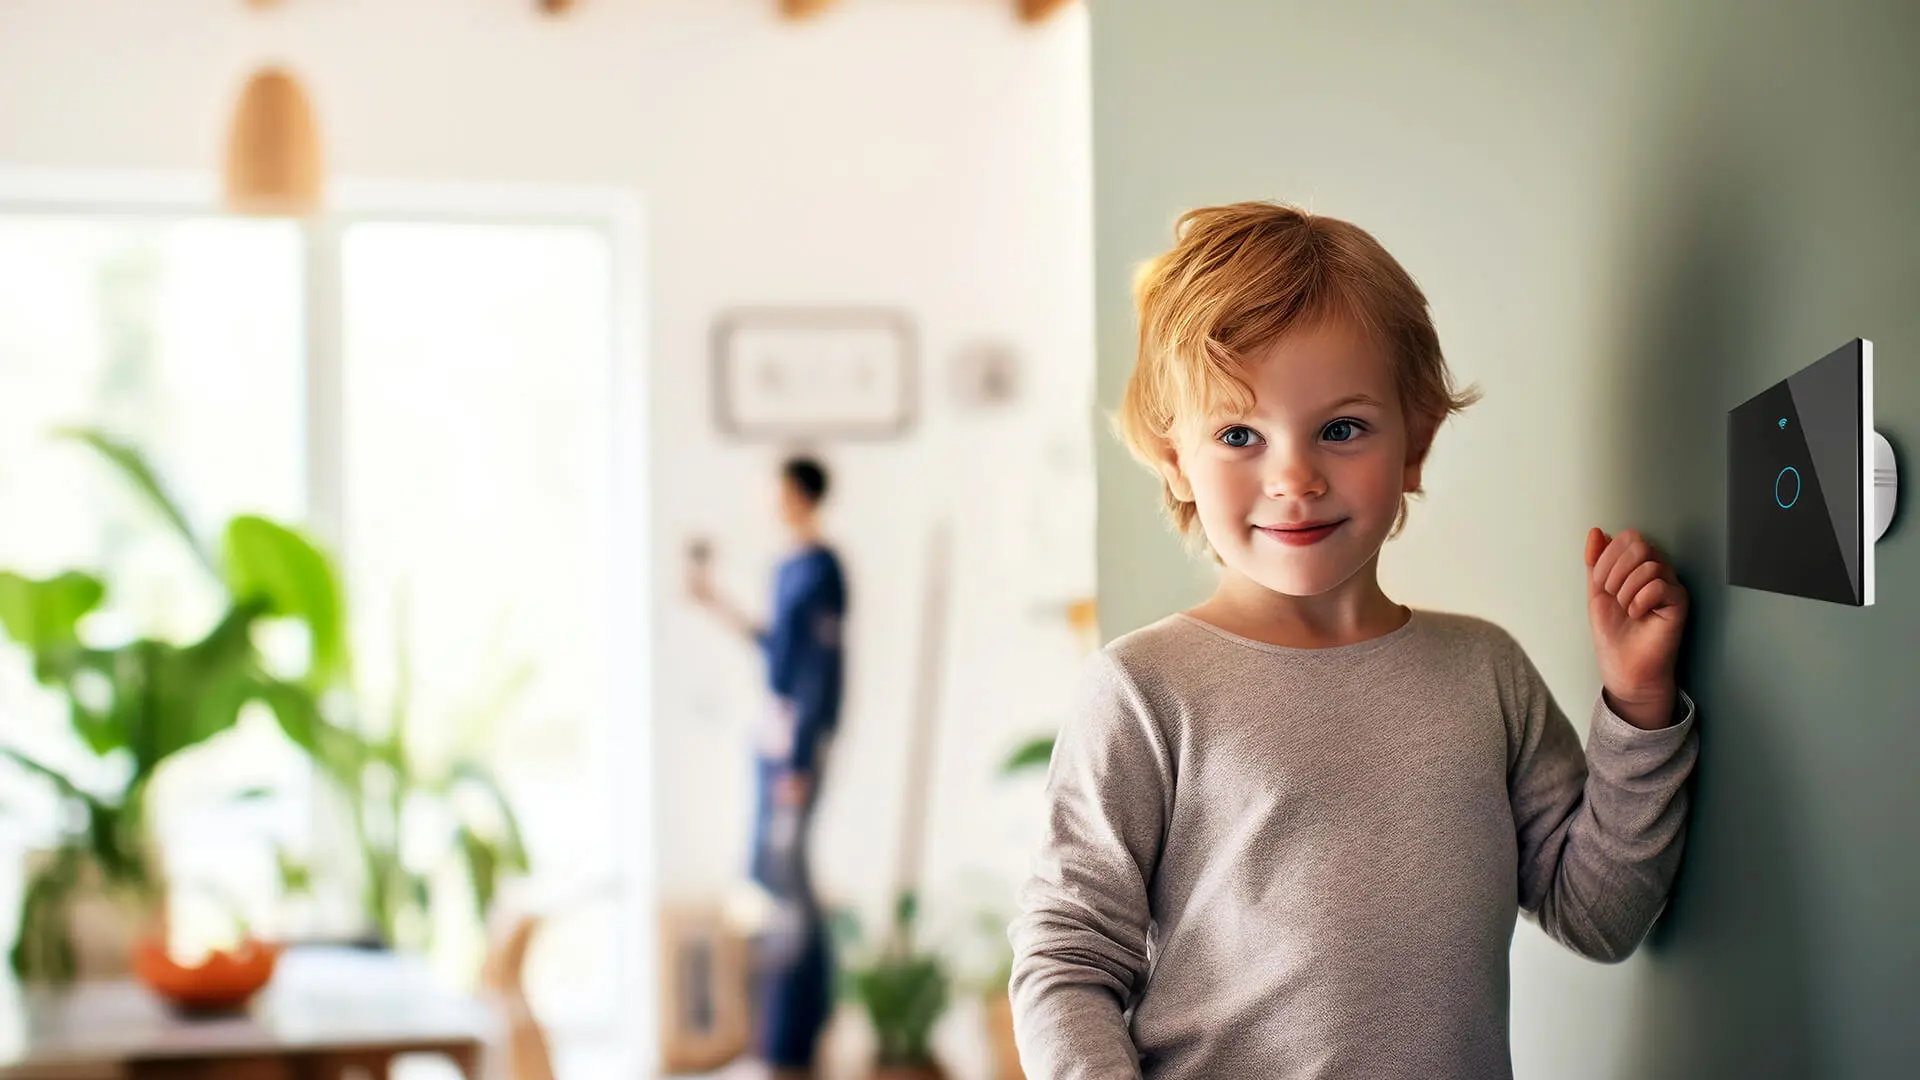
[801,374]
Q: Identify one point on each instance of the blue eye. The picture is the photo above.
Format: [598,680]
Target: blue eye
[1239,436]
[1342,431]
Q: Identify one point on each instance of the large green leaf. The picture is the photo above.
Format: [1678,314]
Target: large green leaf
[197,692]
[133,465]
[180,702]
[1035,753]
[45,615]
[167,699]
[276,566]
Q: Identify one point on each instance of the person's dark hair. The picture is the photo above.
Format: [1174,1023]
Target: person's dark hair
[807,476]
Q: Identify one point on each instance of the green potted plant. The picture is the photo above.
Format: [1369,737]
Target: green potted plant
[454,813]
[144,701]
[902,988]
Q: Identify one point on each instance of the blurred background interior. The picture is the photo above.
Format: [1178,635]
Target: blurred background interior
[369,367]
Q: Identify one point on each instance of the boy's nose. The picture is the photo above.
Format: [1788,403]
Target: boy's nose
[1293,476]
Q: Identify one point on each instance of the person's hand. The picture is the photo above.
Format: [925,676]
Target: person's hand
[700,584]
[792,788]
[1637,608]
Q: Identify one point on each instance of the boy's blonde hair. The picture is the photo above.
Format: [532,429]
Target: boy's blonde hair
[1239,278]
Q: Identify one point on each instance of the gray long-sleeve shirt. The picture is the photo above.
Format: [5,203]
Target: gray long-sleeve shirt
[1307,863]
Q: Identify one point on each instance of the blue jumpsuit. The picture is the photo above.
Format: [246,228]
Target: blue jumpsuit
[803,651]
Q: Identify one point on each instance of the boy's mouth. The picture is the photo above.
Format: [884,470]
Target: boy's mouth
[1304,534]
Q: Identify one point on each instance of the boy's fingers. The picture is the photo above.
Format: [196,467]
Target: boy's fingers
[1651,597]
[1615,562]
[1636,555]
[1643,575]
[1596,543]
[1602,564]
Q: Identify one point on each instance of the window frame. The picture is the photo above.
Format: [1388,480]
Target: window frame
[618,215]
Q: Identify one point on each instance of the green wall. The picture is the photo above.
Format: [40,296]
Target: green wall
[1628,219]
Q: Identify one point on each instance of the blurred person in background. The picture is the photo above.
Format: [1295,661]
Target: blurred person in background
[803,644]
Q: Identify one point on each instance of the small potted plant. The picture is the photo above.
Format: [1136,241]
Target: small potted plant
[903,990]
[415,814]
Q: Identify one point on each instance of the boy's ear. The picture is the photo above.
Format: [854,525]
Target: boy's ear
[1410,475]
[1418,448]
[1169,465]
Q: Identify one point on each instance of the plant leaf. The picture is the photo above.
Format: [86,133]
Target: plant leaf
[44,949]
[297,712]
[513,847]
[192,694]
[1034,753]
[296,877]
[44,615]
[96,729]
[483,868]
[59,779]
[273,565]
[133,465]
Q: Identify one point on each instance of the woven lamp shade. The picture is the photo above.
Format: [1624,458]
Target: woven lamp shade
[1034,11]
[273,149]
[800,9]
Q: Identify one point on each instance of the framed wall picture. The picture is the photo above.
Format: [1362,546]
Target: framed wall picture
[785,374]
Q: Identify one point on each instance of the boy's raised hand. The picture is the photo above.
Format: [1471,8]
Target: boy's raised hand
[1637,609]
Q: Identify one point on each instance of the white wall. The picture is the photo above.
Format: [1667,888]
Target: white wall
[932,156]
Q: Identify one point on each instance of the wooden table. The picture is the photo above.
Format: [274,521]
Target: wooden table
[329,1014]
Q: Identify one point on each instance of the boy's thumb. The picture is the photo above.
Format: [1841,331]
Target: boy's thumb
[1597,542]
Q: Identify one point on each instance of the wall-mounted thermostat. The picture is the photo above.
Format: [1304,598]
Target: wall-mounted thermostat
[1810,484]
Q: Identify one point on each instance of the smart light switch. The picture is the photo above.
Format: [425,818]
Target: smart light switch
[1801,474]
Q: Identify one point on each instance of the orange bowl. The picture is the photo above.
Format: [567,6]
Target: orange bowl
[223,982]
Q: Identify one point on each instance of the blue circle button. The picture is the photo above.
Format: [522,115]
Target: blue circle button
[1787,502]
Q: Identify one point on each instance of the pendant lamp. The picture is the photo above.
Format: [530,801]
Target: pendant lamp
[1033,11]
[273,148]
[800,9]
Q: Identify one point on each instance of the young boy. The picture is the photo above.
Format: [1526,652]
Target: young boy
[1291,828]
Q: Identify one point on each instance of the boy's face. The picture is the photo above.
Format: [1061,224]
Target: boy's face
[1300,493]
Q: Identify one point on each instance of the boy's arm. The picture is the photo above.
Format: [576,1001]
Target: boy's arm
[1600,834]
[1080,943]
